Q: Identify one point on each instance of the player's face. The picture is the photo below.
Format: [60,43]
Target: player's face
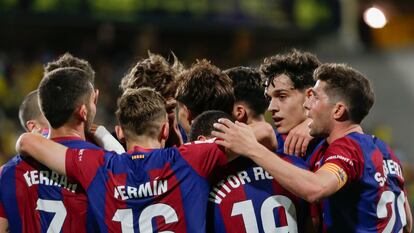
[319,110]
[286,104]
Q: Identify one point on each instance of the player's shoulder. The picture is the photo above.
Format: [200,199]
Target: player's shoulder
[350,142]
[10,167]
[11,164]
[81,144]
[200,145]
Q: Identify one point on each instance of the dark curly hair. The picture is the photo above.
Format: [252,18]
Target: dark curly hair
[298,66]
[249,87]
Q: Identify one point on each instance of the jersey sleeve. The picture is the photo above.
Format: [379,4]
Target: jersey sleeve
[204,156]
[83,164]
[345,157]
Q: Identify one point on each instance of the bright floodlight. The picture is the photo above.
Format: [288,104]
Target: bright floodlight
[375,18]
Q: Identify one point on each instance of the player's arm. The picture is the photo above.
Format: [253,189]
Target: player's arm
[264,134]
[4,225]
[46,151]
[105,140]
[308,185]
[408,228]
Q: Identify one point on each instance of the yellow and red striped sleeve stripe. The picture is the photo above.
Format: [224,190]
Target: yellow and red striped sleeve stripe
[337,171]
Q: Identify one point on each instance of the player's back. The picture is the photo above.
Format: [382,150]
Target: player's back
[247,199]
[148,190]
[375,201]
[36,199]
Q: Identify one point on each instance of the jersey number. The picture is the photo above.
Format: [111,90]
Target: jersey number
[246,210]
[56,207]
[125,217]
[382,212]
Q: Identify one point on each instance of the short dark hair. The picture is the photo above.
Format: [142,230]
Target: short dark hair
[29,109]
[61,92]
[249,87]
[203,124]
[154,72]
[68,60]
[348,85]
[141,112]
[298,66]
[205,87]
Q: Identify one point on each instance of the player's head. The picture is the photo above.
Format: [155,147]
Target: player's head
[341,94]
[155,72]
[141,113]
[248,84]
[204,87]
[203,124]
[67,97]
[287,78]
[30,116]
[68,60]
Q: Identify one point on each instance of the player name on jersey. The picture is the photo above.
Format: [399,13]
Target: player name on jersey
[390,168]
[51,178]
[232,182]
[148,189]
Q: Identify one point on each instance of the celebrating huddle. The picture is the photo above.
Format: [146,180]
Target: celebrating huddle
[193,152]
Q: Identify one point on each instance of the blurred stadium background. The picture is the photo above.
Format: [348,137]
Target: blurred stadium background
[113,34]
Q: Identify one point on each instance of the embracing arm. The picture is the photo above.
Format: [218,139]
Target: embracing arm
[264,134]
[46,151]
[305,184]
[310,186]
[105,140]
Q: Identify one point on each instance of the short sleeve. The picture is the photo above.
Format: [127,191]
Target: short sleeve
[348,156]
[82,164]
[204,156]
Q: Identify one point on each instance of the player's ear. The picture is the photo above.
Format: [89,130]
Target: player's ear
[239,112]
[165,130]
[340,111]
[30,125]
[82,112]
[119,133]
[201,138]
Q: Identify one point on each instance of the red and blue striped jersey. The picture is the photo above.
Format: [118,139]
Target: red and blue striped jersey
[36,199]
[147,190]
[372,199]
[310,151]
[247,199]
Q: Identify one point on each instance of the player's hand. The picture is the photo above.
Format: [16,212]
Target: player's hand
[236,137]
[265,134]
[298,139]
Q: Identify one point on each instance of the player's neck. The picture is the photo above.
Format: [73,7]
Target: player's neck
[66,131]
[342,129]
[144,142]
